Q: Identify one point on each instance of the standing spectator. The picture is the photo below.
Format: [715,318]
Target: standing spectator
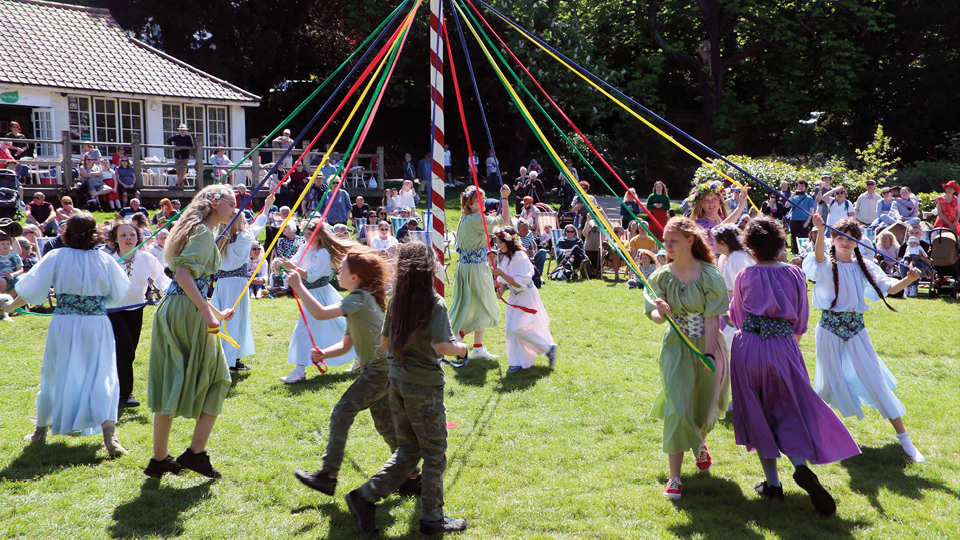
[19,150]
[947,208]
[424,169]
[573,171]
[658,204]
[631,203]
[534,166]
[822,187]
[447,167]
[42,214]
[339,207]
[838,206]
[493,171]
[579,207]
[521,187]
[802,206]
[297,182]
[134,208]
[359,210]
[407,196]
[866,205]
[475,162]
[536,189]
[126,178]
[772,207]
[409,169]
[908,207]
[92,151]
[183,143]
[282,143]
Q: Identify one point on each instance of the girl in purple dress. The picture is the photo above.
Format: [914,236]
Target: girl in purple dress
[777,409]
[710,210]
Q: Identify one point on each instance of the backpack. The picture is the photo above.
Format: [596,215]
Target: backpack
[9,198]
[562,273]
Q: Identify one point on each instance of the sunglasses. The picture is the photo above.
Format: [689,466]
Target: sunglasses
[384,229]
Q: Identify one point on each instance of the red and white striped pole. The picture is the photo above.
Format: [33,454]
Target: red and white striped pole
[438,227]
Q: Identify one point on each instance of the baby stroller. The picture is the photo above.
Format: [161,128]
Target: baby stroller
[945,254]
[9,195]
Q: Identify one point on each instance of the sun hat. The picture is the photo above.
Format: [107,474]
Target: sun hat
[952,184]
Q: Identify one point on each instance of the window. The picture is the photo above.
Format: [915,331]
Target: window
[217,127]
[79,108]
[43,129]
[131,120]
[105,123]
[172,117]
[193,117]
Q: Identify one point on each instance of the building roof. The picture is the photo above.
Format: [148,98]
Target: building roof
[55,45]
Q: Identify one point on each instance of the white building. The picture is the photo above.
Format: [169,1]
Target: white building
[71,68]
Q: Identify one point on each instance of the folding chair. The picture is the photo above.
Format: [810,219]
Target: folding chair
[419,236]
[397,223]
[556,235]
[544,219]
[371,232]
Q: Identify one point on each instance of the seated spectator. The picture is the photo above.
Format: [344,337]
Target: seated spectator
[529,212]
[633,229]
[807,248]
[341,231]
[32,234]
[384,242]
[570,252]
[278,281]
[155,248]
[546,238]
[165,213]
[90,173]
[647,262]
[7,160]
[887,245]
[57,242]
[404,232]
[359,210]
[242,197]
[642,240]
[28,253]
[109,200]
[126,178]
[134,208]
[661,257]
[537,255]
[42,214]
[289,242]
[143,225]
[66,208]
[11,265]
[913,254]
[223,164]
[259,275]
[908,207]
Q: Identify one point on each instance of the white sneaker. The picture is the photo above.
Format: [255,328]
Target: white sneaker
[293,377]
[481,353]
[353,368]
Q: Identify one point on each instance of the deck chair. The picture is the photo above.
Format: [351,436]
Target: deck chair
[371,232]
[544,219]
[397,223]
[419,236]
[556,235]
[615,222]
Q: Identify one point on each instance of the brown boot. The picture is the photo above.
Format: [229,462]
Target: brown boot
[112,443]
[39,435]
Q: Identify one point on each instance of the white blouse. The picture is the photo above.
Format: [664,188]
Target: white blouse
[139,268]
[855,290]
[74,271]
[238,253]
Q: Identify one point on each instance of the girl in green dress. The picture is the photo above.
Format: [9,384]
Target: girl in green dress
[188,374]
[474,304]
[692,290]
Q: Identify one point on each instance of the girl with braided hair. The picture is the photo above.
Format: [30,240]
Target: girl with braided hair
[527,334]
[849,374]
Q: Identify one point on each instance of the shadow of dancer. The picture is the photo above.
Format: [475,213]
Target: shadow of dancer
[341,524]
[39,460]
[158,510]
[883,468]
[317,382]
[522,380]
[717,508]
[475,373]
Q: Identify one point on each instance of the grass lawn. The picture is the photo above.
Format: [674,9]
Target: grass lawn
[567,454]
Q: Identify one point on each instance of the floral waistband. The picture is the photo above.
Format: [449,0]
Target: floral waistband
[202,282]
[75,304]
[322,282]
[473,256]
[843,324]
[519,290]
[767,327]
[237,272]
[690,323]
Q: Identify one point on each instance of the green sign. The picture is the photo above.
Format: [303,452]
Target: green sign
[10,97]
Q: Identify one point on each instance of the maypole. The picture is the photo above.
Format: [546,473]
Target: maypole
[438,227]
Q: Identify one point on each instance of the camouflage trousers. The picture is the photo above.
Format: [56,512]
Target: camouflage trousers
[421,423]
[369,391]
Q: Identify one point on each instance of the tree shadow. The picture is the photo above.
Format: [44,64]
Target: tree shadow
[316,382]
[475,372]
[480,422]
[341,523]
[716,508]
[157,510]
[522,380]
[883,468]
[39,460]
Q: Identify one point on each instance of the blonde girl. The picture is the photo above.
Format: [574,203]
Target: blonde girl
[710,209]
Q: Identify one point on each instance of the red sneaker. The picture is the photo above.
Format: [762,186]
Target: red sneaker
[673,489]
[704,461]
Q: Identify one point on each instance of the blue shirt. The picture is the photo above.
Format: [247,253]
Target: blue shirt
[339,208]
[804,202]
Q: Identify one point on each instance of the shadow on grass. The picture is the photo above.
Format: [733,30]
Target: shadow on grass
[39,460]
[883,468]
[157,510]
[134,415]
[716,508]
[342,525]
[475,372]
[522,380]
[315,381]
[466,447]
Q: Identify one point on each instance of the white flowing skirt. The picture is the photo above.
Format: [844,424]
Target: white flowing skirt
[527,334]
[239,328]
[326,333]
[79,388]
[849,375]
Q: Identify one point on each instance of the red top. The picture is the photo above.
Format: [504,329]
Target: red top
[240,199]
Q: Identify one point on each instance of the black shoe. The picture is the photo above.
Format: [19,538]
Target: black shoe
[240,367]
[445,525]
[156,469]
[320,481]
[770,492]
[821,499]
[129,402]
[362,511]
[198,463]
[411,487]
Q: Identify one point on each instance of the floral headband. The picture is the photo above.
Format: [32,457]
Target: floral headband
[506,237]
[714,187]
[720,229]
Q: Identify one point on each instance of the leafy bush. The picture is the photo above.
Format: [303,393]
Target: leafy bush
[928,201]
[928,175]
[770,170]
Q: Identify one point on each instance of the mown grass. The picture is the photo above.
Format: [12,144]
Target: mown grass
[567,454]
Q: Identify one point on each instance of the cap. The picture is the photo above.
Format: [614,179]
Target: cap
[913,240]
[182,127]
[406,209]
[286,132]
[826,174]
[662,252]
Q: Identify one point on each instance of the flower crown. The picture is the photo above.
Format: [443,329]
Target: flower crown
[506,237]
[720,229]
[714,187]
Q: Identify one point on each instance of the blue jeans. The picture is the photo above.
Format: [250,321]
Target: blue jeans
[539,258]
[922,266]
[888,220]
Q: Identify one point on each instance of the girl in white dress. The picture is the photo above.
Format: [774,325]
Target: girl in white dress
[232,284]
[527,334]
[314,264]
[849,374]
[733,258]
[127,321]
[79,390]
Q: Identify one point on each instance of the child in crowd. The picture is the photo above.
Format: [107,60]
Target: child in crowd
[29,251]
[849,374]
[11,265]
[79,390]
[691,289]
[733,259]
[647,262]
[888,245]
[474,304]
[155,248]
[364,273]
[278,280]
[916,257]
[314,262]
[188,373]
[231,283]
[416,334]
[710,209]
[527,334]
[777,409]
[661,257]
[257,270]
